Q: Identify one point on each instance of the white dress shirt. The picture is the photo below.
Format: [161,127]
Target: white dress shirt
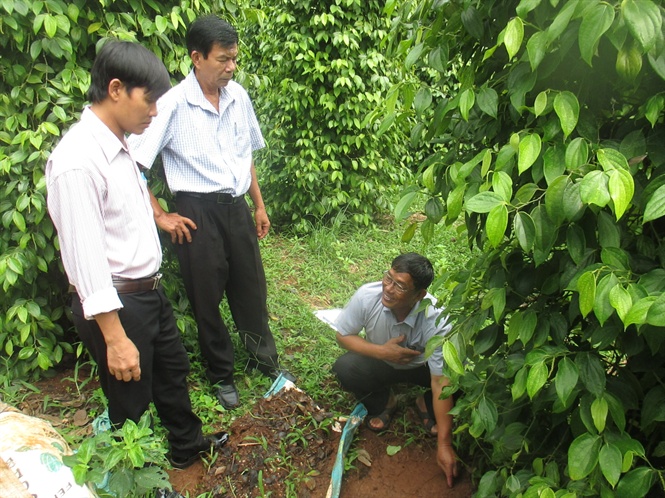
[99,203]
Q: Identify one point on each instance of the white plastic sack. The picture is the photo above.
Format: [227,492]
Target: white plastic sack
[31,459]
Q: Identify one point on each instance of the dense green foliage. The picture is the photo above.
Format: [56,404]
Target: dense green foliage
[48,48]
[548,118]
[323,71]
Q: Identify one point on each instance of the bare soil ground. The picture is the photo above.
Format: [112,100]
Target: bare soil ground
[286,446]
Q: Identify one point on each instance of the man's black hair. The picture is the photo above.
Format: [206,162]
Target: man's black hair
[133,64]
[208,30]
[419,267]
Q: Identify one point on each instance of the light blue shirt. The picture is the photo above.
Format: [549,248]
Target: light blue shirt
[203,150]
[366,311]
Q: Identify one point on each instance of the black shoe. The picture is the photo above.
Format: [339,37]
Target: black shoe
[227,394]
[214,442]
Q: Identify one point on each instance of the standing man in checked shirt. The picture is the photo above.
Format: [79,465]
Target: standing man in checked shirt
[206,132]
[110,249]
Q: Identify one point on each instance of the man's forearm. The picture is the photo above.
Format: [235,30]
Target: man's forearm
[444,421]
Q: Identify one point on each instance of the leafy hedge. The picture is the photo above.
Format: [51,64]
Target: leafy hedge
[323,72]
[48,48]
[553,151]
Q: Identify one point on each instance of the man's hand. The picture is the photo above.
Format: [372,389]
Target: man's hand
[393,351]
[178,226]
[262,222]
[447,460]
[123,360]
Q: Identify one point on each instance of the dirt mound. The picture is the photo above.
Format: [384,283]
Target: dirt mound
[287,440]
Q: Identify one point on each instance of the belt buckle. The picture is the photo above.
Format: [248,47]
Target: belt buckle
[155,281]
[225,198]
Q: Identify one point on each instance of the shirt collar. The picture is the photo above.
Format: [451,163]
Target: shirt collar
[194,93]
[107,140]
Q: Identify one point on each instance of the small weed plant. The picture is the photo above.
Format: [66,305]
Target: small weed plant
[125,462]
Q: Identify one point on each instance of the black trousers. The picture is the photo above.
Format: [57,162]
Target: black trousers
[147,318]
[224,258]
[370,380]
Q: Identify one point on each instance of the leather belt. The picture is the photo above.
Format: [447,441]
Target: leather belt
[135,285]
[217,197]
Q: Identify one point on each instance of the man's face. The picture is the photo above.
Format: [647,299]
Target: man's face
[398,291]
[137,109]
[217,69]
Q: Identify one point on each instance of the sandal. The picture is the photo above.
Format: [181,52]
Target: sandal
[385,417]
[426,419]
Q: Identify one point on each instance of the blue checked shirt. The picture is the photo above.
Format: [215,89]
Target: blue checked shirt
[202,150]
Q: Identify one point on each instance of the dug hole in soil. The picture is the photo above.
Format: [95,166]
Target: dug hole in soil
[288,435]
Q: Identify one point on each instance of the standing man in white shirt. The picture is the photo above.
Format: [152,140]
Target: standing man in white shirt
[206,132]
[392,351]
[100,205]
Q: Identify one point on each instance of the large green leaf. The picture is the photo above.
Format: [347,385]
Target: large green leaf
[502,184]
[488,413]
[577,154]
[560,22]
[525,231]
[452,358]
[567,108]
[455,202]
[402,208]
[599,413]
[546,233]
[496,224]
[554,199]
[594,189]
[601,306]
[575,243]
[488,101]
[513,36]
[592,373]
[536,379]
[554,163]
[621,301]
[586,286]
[467,99]
[639,311]
[529,150]
[656,313]
[636,483]
[566,379]
[610,463]
[596,21]
[536,49]
[655,208]
[622,189]
[522,326]
[653,408]
[611,159]
[644,21]
[583,455]
[483,202]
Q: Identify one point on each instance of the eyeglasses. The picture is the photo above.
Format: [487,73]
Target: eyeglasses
[388,280]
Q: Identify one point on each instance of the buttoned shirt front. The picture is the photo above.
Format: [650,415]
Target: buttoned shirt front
[99,203]
[366,311]
[203,150]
